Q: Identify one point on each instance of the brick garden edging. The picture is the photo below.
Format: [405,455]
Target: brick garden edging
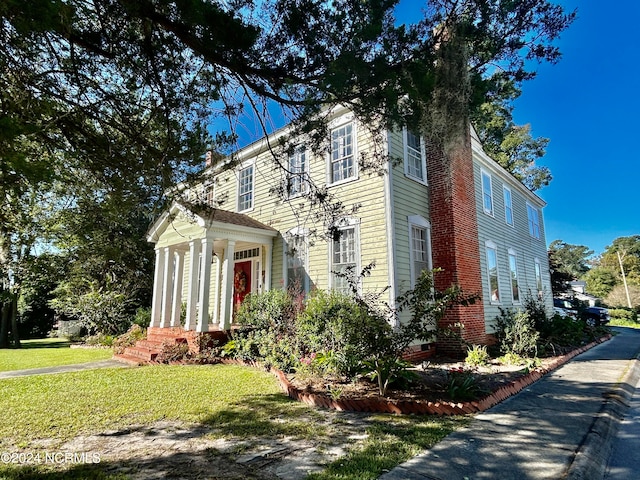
[401,407]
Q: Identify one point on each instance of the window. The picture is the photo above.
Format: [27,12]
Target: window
[296,177]
[343,258]
[513,268]
[245,189]
[415,164]
[420,246]
[538,270]
[534,221]
[492,269]
[487,194]
[296,262]
[342,154]
[508,206]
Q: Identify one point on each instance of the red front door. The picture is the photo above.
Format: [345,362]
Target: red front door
[241,282]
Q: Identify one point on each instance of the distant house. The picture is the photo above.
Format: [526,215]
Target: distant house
[469,217]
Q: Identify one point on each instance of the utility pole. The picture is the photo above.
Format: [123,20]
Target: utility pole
[624,280]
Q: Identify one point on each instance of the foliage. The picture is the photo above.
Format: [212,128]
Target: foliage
[129,338]
[99,339]
[617,297]
[600,281]
[623,314]
[477,355]
[98,311]
[516,332]
[462,384]
[173,352]
[142,317]
[567,262]
[389,371]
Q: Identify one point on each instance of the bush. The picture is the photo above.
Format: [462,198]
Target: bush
[128,339]
[173,352]
[100,340]
[477,355]
[623,314]
[337,323]
[142,318]
[516,333]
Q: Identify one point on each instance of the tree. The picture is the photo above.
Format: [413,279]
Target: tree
[120,92]
[600,281]
[567,262]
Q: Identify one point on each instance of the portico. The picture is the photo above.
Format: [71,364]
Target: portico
[207,260]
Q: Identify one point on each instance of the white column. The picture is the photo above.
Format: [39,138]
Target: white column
[205,284]
[158,281]
[226,306]
[192,289]
[267,267]
[216,291]
[178,272]
[165,315]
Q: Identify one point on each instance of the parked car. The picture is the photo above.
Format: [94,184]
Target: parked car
[564,307]
[596,316]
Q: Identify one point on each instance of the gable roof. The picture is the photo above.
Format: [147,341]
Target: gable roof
[208,217]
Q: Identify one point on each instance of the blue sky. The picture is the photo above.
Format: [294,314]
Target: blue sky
[586,105]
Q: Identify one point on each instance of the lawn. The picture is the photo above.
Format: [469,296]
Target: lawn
[236,402]
[48,352]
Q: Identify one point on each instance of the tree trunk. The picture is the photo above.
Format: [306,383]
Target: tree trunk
[4,324]
[14,320]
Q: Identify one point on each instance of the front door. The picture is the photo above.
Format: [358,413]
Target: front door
[241,282]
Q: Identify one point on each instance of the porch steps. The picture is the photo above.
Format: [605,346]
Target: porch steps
[146,351]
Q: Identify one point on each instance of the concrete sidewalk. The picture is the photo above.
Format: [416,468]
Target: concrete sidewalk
[76,367]
[562,426]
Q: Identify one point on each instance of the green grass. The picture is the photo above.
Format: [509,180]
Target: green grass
[237,402]
[48,352]
[622,322]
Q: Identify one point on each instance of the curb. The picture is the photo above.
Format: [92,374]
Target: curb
[404,407]
[593,454]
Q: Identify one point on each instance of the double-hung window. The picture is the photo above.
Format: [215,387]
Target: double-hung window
[534,221]
[492,270]
[487,193]
[513,269]
[344,258]
[296,261]
[297,175]
[508,206]
[420,244]
[245,189]
[415,164]
[538,270]
[343,165]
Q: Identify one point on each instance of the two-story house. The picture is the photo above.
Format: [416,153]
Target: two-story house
[258,226]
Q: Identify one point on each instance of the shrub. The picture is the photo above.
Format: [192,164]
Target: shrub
[173,352]
[463,385]
[142,318]
[100,339]
[128,339]
[477,355]
[623,314]
[516,332]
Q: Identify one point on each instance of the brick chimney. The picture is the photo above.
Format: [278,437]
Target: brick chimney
[454,237]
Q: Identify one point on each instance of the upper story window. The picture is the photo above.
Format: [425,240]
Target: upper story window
[513,268]
[492,270]
[342,159]
[534,221]
[297,175]
[245,189]
[415,163]
[487,193]
[420,238]
[344,257]
[296,262]
[508,206]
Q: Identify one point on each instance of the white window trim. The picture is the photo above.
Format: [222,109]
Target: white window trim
[244,166]
[304,175]
[345,224]
[423,157]
[491,245]
[534,232]
[537,272]
[420,222]
[295,232]
[346,120]
[504,196]
[483,172]
[512,253]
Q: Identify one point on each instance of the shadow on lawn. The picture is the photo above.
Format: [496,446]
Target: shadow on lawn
[44,343]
